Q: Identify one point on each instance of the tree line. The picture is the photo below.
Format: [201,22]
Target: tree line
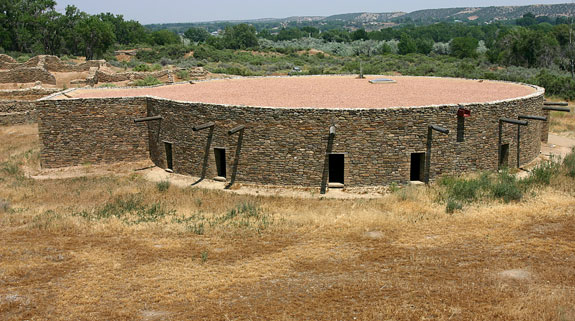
[34,26]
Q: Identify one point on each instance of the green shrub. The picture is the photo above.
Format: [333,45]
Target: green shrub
[452,206]
[569,164]
[543,173]
[163,186]
[148,81]
[506,188]
[183,74]
[245,215]
[108,85]
[465,190]
[23,58]
[147,68]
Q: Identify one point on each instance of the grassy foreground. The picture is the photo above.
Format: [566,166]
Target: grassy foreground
[122,248]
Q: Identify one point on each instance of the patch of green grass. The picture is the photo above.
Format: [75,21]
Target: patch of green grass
[130,209]
[107,85]
[163,186]
[245,215]
[11,168]
[45,220]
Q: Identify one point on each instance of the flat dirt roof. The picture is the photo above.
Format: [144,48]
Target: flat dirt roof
[326,91]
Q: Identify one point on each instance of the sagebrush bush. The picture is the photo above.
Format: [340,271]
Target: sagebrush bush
[569,164]
[148,81]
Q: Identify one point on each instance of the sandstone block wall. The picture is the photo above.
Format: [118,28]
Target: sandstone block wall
[80,131]
[284,146]
[102,76]
[27,75]
[289,146]
[33,93]
[14,112]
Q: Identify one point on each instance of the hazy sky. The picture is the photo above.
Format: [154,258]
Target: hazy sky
[154,11]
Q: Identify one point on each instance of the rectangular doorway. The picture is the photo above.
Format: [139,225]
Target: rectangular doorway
[504,156]
[169,159]
[417,167]
[220,154]
[336,168]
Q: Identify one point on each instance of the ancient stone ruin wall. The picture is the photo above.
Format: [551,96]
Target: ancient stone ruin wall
[80,131]
[284,146]
[6,60]
[102,77]
[33,93]
[14,112]
[18,106]
[54,64]
[27,75]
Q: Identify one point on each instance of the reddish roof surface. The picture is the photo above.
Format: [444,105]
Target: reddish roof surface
[327,92]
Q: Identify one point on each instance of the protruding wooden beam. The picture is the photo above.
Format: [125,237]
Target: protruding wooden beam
[552,103]
[203,126]
[140,120]
[513,121]
[532,117]
[566,110]
[236,129]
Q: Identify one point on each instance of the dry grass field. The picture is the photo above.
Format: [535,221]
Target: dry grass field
[123,248]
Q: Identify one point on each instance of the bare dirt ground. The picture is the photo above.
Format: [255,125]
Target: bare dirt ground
[188,253]
[328,92]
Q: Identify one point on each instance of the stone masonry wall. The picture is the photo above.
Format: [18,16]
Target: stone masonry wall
[79,131]
[14,112]
[27,75]
[33,93]
[102,77]
[284,146]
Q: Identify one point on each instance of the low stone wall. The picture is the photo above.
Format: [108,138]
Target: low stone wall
[284,146]
[102,77]
[79,131]
[27,75]
[14,112]
[54,64]
[33,93]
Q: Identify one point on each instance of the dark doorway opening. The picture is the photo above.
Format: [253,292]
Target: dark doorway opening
[460,129]
[336,168]
[220,154]
[417,167]
[169,157]
[504,156]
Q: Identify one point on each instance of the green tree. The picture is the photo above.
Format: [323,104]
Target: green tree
[242,36]
[164,37]
[197,34]
[424,46]
[96,36]
[527,20]
[126,32]
[464,47]
[359,34]
[406,45]
[21,20]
